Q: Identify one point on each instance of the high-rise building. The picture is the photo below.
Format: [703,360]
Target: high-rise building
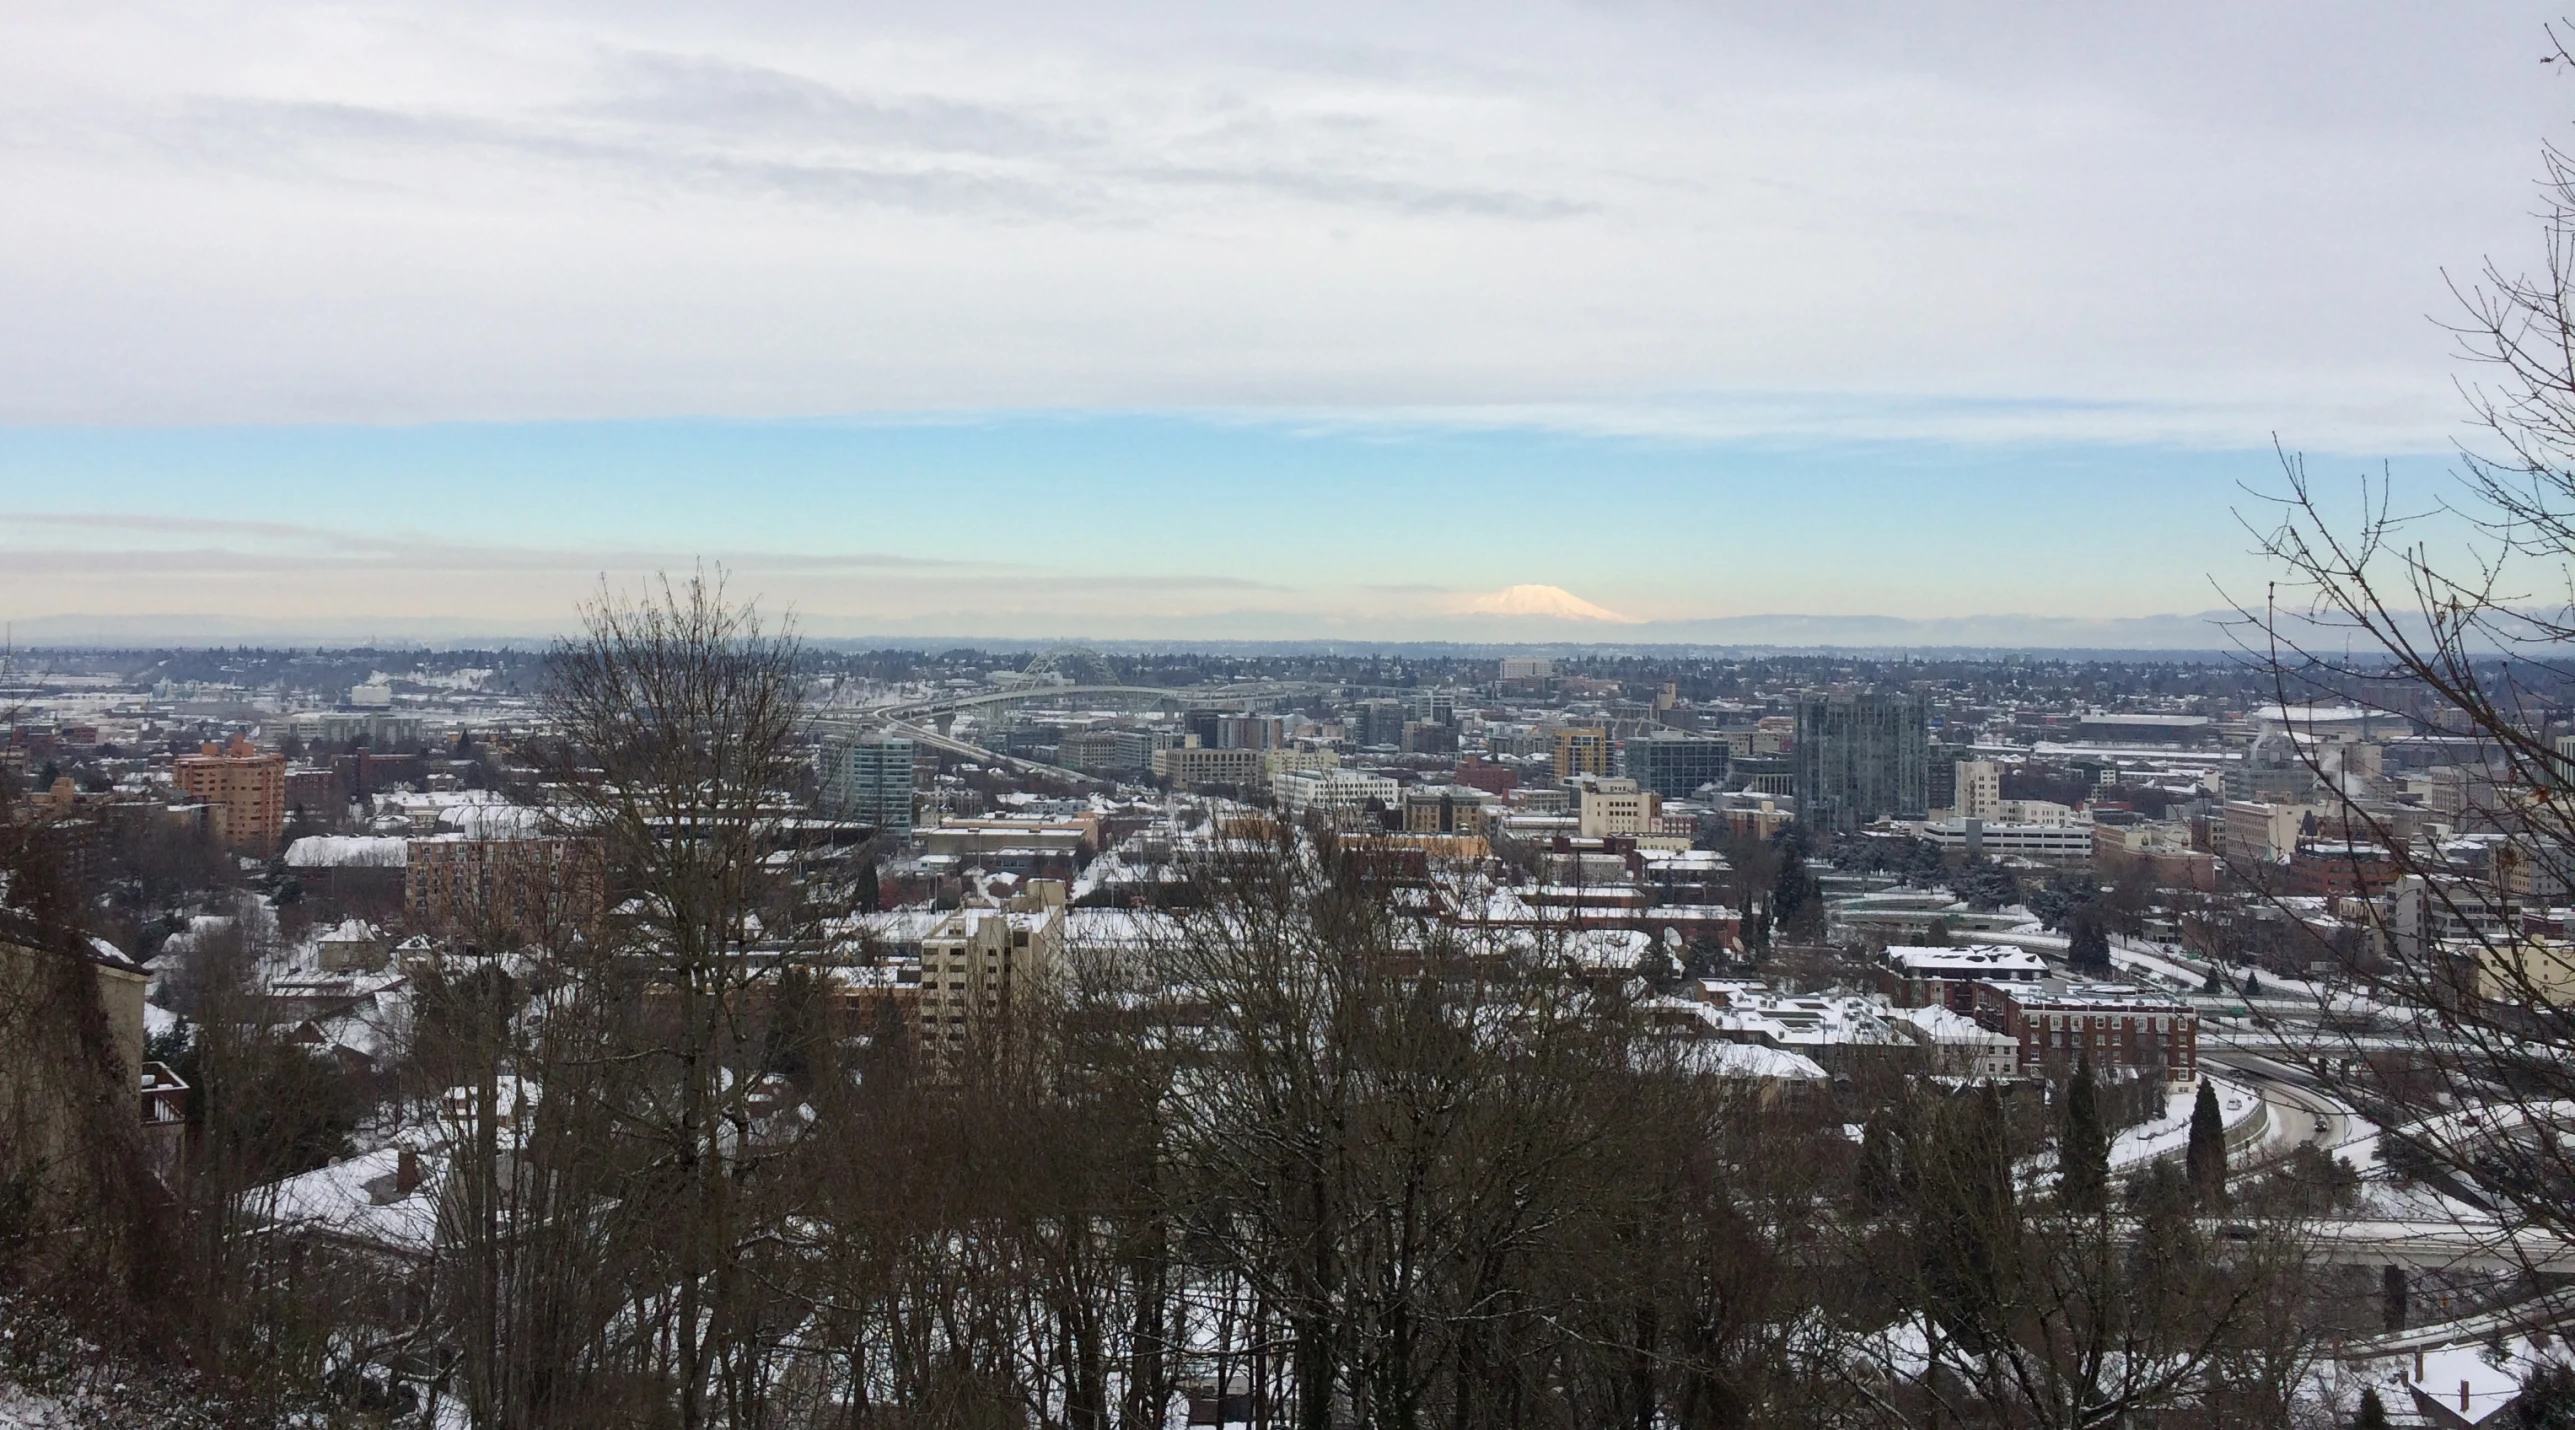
[1223,730]
[1942,774]
[1976,790]
[869,778]
[1375,722]
[978,962]
[1581,750]
[1205,726]
[244,789]
[1436,704]
[1861,758]
[1674,765]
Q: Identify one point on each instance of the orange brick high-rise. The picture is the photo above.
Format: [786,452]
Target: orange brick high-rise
[245,788]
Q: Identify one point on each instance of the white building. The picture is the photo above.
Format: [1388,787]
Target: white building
[2046,843]
[1343,794]
[1617,806]
[1980,790]
[1956,1045]
[2256,833]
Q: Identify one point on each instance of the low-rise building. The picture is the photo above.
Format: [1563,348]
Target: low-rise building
[1196,767]
[2528,970]
[1938,976]
[1444,809]
[2257,833]
[2057,1024]
[1344,797]
[1956,1045]
[1275,763]
[353,946]
[60,1060]
[1032,846]
[2040,843]
[2162,852]
[1610,806]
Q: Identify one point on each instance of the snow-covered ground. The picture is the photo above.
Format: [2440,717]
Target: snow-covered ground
[2170,1135]
[23,1409]
[2140,955]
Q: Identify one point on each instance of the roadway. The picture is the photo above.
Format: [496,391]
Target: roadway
[2295,1106]
[2296,1099]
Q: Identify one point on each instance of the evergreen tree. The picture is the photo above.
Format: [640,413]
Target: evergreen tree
[2252,985]
[1705,957]
[869,896]
[1796,899]
[2547,1400]
[2205,1158]
[2083,1147]
[1936,936]
[2391,1297]
[2373,1411]
[1986,886]
[2164,1261]
[2087,947]
[2214,984]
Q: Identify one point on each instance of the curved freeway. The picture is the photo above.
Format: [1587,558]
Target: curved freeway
[2296,1107]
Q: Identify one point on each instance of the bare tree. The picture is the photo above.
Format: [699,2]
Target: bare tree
[2451,615]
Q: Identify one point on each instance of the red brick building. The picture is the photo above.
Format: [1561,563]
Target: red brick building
[1941,976]
[2058,1023]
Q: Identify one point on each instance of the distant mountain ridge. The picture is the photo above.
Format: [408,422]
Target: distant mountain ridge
[2203,632]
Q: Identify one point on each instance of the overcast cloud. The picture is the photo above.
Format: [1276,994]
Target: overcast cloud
[2196,222]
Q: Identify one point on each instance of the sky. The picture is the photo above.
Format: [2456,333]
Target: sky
[1553,322]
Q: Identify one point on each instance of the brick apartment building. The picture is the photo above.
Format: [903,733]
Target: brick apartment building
[2058,1023]
[243,789]
[501,888]
[1940,976]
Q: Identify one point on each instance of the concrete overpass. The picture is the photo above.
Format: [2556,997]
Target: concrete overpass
[941,740]
[2445,1245]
